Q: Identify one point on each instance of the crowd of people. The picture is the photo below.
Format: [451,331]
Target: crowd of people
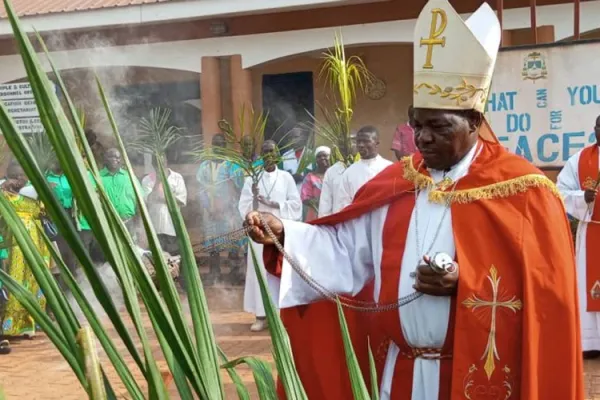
[285,191]
[225,196]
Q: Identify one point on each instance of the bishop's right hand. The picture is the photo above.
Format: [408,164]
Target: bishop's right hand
[590,195]
[257,231]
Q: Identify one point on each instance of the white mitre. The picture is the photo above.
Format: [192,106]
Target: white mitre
[454,59]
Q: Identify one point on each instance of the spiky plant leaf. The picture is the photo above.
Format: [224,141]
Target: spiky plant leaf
[263,376]
[93,370]
[156,133]
[373,375]
[359,387]
[282,350]
[241,390]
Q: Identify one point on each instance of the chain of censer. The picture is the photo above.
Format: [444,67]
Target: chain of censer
[357,305]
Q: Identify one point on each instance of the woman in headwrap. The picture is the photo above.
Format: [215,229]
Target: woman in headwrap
[313,183]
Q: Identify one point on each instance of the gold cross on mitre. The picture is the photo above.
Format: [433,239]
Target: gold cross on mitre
[434,34]
[491,352]
[454,59]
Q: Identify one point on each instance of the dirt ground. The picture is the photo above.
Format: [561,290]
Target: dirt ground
[36,371]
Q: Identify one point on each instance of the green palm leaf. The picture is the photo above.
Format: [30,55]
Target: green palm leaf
[346,77]
[263,376]
[282,350]
[359,388]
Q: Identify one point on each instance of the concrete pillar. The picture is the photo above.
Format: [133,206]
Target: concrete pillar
[210,97]
[241,95]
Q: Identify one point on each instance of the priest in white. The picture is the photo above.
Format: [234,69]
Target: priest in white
[277,194]
[501,319]
[331,198]
[362,171]
[578,183]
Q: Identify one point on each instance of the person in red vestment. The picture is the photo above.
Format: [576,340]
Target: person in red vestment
[473,241]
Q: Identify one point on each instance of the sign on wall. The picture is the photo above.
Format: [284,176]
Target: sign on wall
[18,99]
[544,101]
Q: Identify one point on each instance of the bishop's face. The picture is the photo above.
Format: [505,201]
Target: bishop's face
[444,137]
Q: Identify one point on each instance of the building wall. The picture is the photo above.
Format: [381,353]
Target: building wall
[391,63]
[360,13]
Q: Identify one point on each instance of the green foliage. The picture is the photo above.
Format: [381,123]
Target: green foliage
[281,342]
[42,149]
[190,351]
[373,375]
[359,388]
[345,77]
[156,134]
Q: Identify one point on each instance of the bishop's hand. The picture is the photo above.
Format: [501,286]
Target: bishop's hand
[590,195]
[435,283]
[256,229]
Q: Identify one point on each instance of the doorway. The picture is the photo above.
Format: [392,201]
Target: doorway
[288,99]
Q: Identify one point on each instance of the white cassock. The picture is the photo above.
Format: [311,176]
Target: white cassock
[290,163]
[344,257]
[159,211]
[569,187]
[278,186]
[329,202]
[357,175]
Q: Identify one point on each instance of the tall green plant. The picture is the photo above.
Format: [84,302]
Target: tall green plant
[345,77]
[190,351]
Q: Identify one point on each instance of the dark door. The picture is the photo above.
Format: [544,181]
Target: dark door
[287,98]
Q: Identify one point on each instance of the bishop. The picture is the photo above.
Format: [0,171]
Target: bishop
[501,321]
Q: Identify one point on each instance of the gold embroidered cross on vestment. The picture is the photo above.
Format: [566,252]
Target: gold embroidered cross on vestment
[491,351]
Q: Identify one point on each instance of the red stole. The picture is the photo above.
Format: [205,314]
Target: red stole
[588,175]
[395,232]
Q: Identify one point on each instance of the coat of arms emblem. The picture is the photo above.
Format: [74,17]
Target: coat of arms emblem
[534,67]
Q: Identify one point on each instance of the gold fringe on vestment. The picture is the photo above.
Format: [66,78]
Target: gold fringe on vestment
[497,190]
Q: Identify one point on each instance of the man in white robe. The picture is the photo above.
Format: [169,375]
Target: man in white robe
[157,204]
[277,194]
[362,171]
[580,193]
[330,201]
[292,157]
[485,325]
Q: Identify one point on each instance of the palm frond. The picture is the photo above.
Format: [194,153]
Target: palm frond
[346,77]
[156,134]
[42,149]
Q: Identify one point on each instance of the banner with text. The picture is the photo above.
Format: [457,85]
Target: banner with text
[544,101]
[18,100]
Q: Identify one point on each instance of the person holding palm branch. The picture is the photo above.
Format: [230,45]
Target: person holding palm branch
[277,193]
